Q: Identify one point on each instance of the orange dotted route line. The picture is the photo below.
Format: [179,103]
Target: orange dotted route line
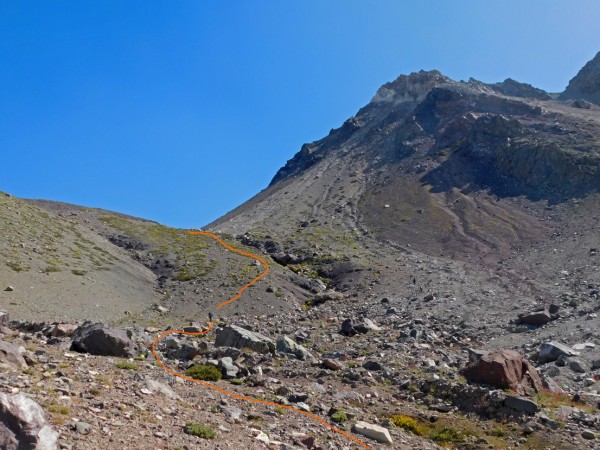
[211,324]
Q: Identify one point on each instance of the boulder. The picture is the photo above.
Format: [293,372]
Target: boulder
[332,364]
[551,351]
[503,369]
[102,339]
[288,346]
[23,425]
[521,404]
[536,317]
[380,434]
[11,356]
[350,327]
[62,329]
[324,296]
[227,367]
[238,337]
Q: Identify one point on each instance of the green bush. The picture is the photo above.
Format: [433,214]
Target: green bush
[339,416]
[205,373]
[200,430]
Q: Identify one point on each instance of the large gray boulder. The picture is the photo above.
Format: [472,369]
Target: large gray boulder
[23,425]
[288,346]
[102,339]
[11,356]
[238,337]
[551,351]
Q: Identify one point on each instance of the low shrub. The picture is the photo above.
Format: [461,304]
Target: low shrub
[204,373]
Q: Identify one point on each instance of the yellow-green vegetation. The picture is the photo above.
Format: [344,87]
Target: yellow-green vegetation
[551,400]
[339,416]
[58,409]
[451,430]
[237,381]
[200,430]
[16,266]
[189,250]
[407,423]
[127,365]
[79,272]
[204,372]
[279,410]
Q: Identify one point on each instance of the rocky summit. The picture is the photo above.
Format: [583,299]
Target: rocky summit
[434,283]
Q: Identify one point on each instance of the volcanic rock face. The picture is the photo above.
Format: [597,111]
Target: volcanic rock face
[586,84]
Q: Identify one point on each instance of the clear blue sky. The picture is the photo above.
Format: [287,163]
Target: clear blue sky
[180,111]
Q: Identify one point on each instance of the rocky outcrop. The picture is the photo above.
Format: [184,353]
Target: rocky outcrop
[102,339]
[516,89]
[238,337]
[586,84]
[504,369]
[23,425]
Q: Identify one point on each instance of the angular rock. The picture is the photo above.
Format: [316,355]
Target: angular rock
[62,329]
[322,297]
[551,351]
[11,356]
[288,346]
[503,369]
[227,367]
[157,386]
[578,366]
[332,364]
[102,339]
[352,327]
[536,318]
[23,425]
[238,337]
[375,432]
[521,404]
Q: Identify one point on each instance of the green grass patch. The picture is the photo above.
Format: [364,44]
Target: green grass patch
[16,266]
[200,430]
[127,365]
[339,416]
[204,372]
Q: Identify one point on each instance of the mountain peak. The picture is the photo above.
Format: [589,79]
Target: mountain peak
[586,84]
[411,87]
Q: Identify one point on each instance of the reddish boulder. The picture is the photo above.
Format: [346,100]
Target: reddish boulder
[503,369]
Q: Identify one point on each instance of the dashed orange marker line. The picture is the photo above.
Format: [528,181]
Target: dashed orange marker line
[211,324]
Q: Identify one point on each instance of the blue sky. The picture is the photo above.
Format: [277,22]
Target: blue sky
[180,111]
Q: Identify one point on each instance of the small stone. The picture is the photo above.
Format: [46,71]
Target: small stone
[9,289]
[82,427]
[578,366]
[587,434]
[332,364]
